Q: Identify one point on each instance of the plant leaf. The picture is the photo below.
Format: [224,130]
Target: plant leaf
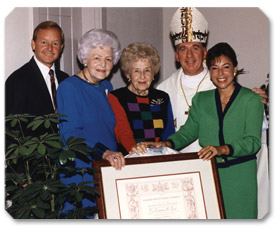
[42,149]
[14,122]
[38,212]
[23,150]
[63,158]
[45,195]
[78,196]
[43,205]
[53,144]
[31,149]
[35,124]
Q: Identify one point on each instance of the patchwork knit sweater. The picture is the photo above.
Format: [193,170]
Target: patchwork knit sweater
[141,118]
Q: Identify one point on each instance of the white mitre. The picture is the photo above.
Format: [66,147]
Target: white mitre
[188,25]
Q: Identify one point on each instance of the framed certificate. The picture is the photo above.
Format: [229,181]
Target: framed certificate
[179,186]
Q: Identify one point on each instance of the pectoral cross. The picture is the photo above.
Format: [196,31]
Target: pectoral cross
[175,120]
[187,112]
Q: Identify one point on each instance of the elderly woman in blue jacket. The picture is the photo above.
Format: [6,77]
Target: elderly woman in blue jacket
[83,99]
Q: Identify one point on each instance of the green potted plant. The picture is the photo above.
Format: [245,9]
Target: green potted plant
[35,157]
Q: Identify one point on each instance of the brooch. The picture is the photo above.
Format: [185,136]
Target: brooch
[157,101]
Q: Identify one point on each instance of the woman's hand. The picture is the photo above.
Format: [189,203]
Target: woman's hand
[140,148]
[262,93]
[116,159]
[208,152]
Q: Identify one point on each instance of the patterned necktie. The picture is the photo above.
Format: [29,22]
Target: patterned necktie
[53,87]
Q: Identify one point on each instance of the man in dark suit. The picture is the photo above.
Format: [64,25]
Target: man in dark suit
[28,89]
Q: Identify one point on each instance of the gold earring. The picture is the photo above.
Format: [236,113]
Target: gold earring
[85,65]
[234,74]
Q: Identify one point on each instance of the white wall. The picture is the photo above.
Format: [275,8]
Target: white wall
[134,25]
[18,35]
[168,66]
[246,29]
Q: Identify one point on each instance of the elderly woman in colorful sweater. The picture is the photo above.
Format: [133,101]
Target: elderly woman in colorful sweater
[142,112]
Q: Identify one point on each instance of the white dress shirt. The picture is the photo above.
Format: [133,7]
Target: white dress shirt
[45,72]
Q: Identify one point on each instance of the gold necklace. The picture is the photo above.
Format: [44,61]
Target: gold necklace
[181,85]
[96,84]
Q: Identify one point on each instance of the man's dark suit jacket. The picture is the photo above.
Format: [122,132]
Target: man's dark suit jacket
[27,92]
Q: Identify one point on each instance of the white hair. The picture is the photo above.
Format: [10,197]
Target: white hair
[98,37]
